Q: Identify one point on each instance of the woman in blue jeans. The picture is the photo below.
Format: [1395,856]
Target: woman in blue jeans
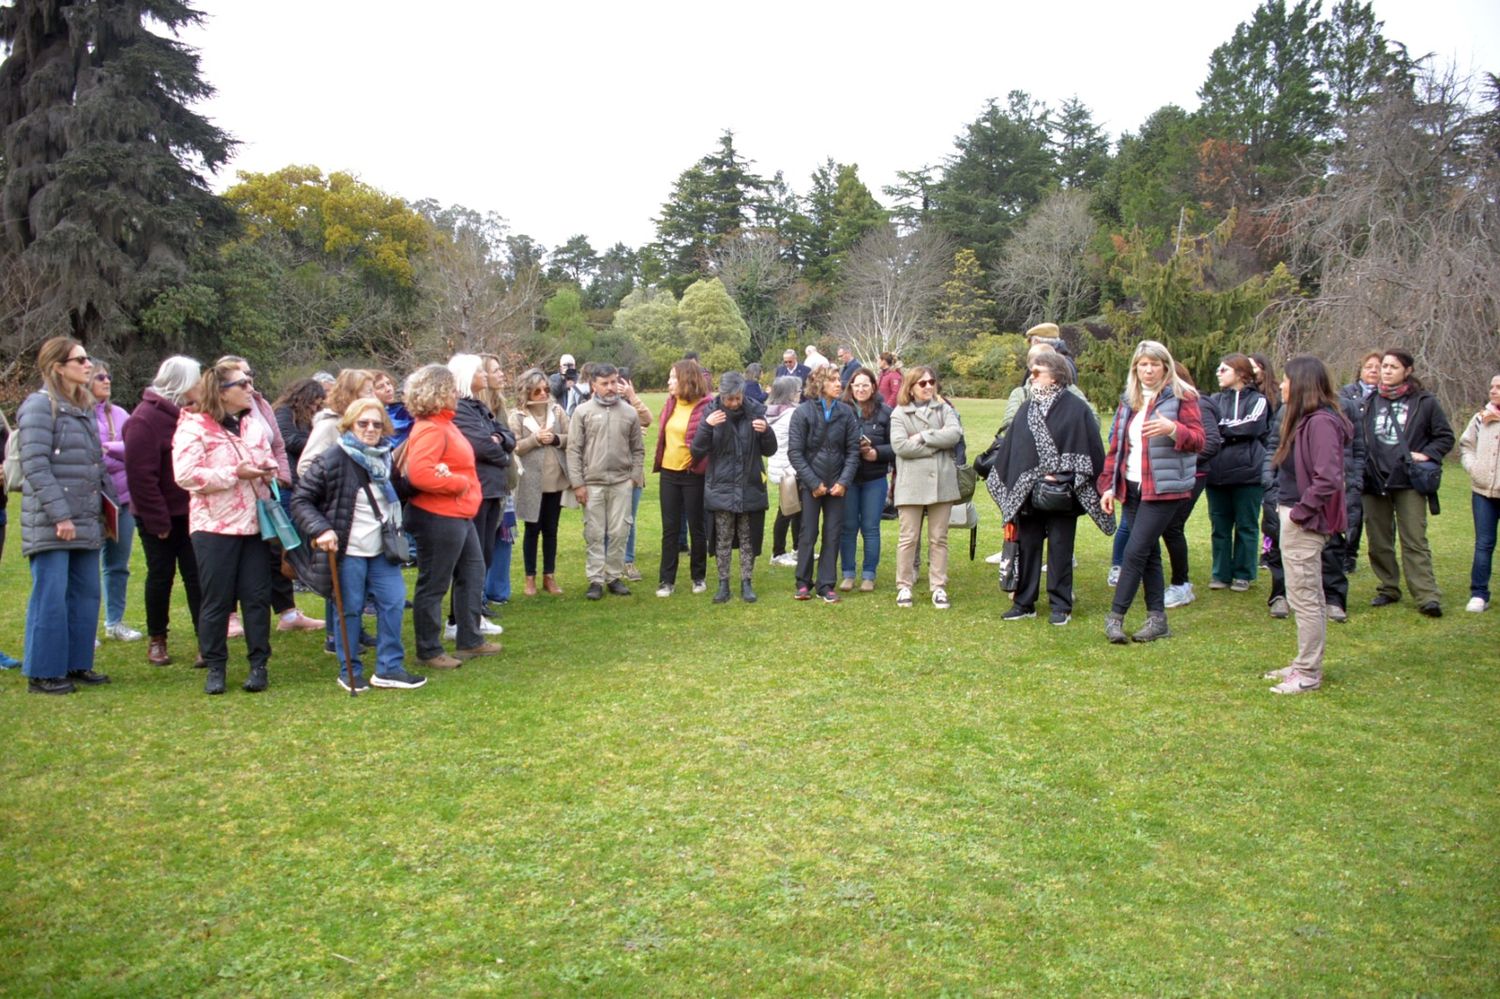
[110,419]
[867,494]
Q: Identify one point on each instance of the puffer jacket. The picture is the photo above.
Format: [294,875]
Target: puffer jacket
[878,429]
[780,464]
[206,458]
[695,420]
[823,452]
[65,477]
[1244,425]
[491,457]
[734,480]
[155,496]
[926,470]
[326,493]
[1479,451]
[1168,466]
[1212,442]
[109,420]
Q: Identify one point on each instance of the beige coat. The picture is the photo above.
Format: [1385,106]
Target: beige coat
[605,446]
[925,469]
[1479,450]
[543,467]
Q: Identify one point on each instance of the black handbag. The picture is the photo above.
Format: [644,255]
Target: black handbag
[985,463]
[1049,496]
[393,541]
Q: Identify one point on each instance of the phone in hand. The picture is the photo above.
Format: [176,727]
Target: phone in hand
[864,441]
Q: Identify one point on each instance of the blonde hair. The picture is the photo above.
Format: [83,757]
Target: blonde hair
[1158,352]
[909,381]
[49,362]
[360,405]
[428,390]
[348,386]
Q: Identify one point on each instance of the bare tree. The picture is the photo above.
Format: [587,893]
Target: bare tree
[1044,273]
[1402,241]
[753,270]
[27,318]
[891,283]
[475,302]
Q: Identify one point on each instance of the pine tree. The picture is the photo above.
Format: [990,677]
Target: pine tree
[1080,147]
[102,199]
[965,308]
[713,199]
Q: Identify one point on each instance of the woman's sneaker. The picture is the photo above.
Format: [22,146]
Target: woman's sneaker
[903,597]
[1180,595]
[1477,605]
[940,598]
[122,632]
[1114,576]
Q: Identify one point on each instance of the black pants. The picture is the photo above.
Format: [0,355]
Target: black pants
[831,509]
[779,529]
[682,499]
[233,568]
[1335,579]
[1356,514]
[1058,530]
[487,526]
[447,553]
[545,528]
[1175,536]
[1142,564]
[166,558]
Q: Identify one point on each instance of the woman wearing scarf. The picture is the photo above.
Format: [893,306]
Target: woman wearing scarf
[1402,421]
[1054,438]
[541,430]
[342,501]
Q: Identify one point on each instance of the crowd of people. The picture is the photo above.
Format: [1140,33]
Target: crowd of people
[345,481]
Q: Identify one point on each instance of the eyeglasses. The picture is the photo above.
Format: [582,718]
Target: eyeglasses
[101,377]
[1039,371]
[82,359]
[369,424]
[924,382]
[226,386]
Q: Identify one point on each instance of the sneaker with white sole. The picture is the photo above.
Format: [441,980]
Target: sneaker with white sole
[1279,608]
[940,598]
[1180,595]
[122,632]
[1477,605]
[398,679]
[903,597]
[665,590]
[1278,674]
[295,620]
[488,627]
[1295,683]
[1060,618]
[700,586]
[1114,576]
[1017,613]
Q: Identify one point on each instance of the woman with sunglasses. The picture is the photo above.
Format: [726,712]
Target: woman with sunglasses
[342,502]
[1234,475]
[541,430]
[222,456]
[110,419]
[63,521]
[823,448]
[925,433]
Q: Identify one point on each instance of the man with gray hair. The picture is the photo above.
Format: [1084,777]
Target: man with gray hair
[847,365]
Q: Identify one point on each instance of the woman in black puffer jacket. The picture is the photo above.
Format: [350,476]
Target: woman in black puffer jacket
[734,437]
[1234,474]
[823,448]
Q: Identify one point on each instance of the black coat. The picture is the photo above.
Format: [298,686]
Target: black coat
[324,496]
[878,429]
[1245,426]
[1427,430]
[735,478]
[823,452]
[474,420]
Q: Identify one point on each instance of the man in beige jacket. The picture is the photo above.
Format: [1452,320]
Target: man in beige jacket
[606,462]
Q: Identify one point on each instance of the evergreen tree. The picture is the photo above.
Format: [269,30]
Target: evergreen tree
[965,308]
[573,261]
[102,200]
[1152,176]
[567,329]
[911,197]
[1079,146]
[710,323]
[614,278]
[1358,64]
[713,199]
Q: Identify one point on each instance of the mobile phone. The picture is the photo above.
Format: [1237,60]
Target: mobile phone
[865,441]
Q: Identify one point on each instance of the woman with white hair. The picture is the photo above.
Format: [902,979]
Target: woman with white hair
[159,503]
[1151,466]
[493,443]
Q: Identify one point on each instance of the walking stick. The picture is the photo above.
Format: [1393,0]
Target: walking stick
[338,608]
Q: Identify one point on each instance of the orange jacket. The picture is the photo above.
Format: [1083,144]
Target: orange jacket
[434,440]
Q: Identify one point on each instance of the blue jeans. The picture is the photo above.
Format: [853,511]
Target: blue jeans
[1122,535]
[117,569]
[63,612]
[862,517]
[378,581]
[1486,516]
[497,578]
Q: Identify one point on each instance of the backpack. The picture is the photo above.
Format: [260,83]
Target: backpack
[14,477]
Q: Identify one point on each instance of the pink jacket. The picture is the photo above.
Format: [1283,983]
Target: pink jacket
[205,457]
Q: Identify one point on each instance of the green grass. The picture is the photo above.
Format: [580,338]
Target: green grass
[667,797]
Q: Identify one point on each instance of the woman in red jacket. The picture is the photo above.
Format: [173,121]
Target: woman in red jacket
[1309,469]
[439,466]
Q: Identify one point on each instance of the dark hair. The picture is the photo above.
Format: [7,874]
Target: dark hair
[1407,361]
[1266,383]
[1243,369]
[888,358]
[601,369]
[752,372]
[870,406]
[1058,367]
[1309,389]
[303,398]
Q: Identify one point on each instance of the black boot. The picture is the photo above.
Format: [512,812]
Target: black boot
[214,682]
[257,680]
[722,596]
[746,594]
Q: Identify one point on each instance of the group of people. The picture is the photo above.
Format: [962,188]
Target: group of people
[224,488]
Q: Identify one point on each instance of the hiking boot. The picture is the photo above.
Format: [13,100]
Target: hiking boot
[1154,628]
[49,685]
[595,592]
[721,595]
[156,651]
[441,661]
[482,649]
[1280,608]
[618,588]
[746,593]
[1114,628]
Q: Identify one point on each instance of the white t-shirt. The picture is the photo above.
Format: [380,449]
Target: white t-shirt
[364,530]
[1133,433]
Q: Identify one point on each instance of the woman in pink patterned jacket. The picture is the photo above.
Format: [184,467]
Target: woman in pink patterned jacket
[225,463]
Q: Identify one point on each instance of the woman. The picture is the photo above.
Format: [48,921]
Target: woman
[351,384]
[1309,463]
[1174,537]
[440,515]
[1403,423]
[491,443]
[867,494]
[64,498]
[6,661]
[1357,395]
[733,438]
[1234,475]
[295,409]
[1053,438]
[161,505]
[1479,450]
[925,433]
[682,476]
[541,430]
[222,456]
[1152,462]
[342,502]
[110,421]
[753,390]
[823,448]
[395,410]
[497,573]
[781,403]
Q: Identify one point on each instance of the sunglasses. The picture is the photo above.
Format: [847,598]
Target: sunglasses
[226,386]
[1040,371]
[101,377]
[82,359]
[369,424]
[924,382]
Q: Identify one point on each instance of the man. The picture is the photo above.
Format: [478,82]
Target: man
[564,384]
[606,461]
[790,366]
[847,365]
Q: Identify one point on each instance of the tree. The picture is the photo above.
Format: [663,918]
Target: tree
[964,312]
[713,199]
[911,197]
[471,298]
[1079,146]
[573,261]
[891,282]
[567,330]
[1151,178]
[103,202]
[1358,65]
[1045,275]
[710,323]
[760,282]
[647,317]
[614,278]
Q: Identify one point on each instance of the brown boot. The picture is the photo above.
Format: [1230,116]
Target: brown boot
[530,590]
[549,583]
[156,651]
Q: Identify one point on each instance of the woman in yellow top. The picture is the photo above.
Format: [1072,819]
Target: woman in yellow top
[681,477]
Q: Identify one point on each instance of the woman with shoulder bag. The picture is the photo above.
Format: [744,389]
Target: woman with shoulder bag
[63,524]
[346,504]
[1043,479]
[781,403]
[925,433]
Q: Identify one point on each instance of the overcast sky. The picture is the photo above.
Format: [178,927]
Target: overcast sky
[577,118]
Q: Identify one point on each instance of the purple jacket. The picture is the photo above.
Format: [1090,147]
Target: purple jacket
[1318,459]
[111,421]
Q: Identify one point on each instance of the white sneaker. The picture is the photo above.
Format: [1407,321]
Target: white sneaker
[700,586]
[996,558]
[122,632]
[450,632]
[940,598]
[1180,596]
[1477,605]
[903,597]
[664,590]
[1114,575]
[488,627]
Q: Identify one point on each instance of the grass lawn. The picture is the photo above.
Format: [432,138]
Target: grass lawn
[666,797]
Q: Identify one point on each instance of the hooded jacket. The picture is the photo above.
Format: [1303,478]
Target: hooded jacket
[1317,458]
[734,480]
[206,458]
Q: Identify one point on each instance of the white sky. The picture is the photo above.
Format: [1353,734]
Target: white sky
[578,117]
